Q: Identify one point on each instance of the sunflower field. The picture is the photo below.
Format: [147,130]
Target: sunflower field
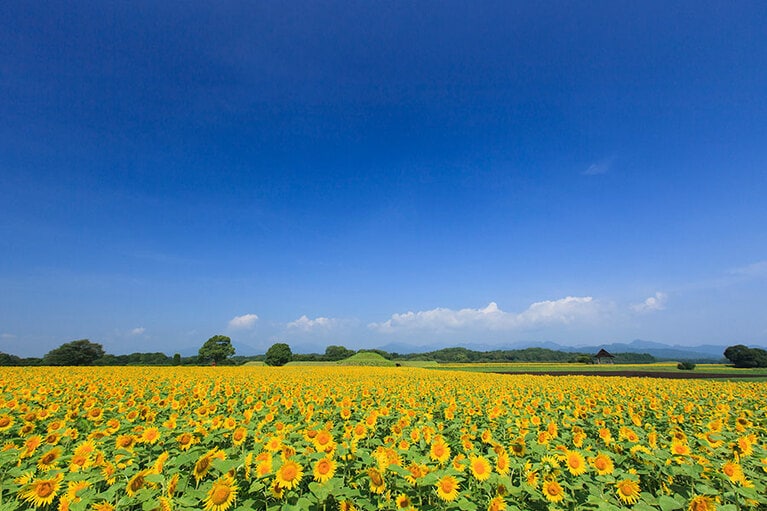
[344,438]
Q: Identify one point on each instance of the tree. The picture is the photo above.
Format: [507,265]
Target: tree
[334,353]
[75,353]
[216,349]
[7,359]
[177,359]
[743,356]
[278,354]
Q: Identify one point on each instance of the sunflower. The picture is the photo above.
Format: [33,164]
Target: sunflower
[575,463]
[172,485]
[159,463]
[6,421]
[264,468]
[95,414]
[744,446]
[439,451]
[239,435]
[112,425]
[603,464]
[502,463]
[628,491]
[480,468]
[165,504]
[150,435]
[289,475]
[734,472]
[31,445]
[41,492]
[518,447]
[531,475]
[75,487]
[185,440]
[136,482]
[323,441]
[126,442]
[458,462]
[274,444]
[496,504]
[221,495]
[416,471]
[103,506]
[79,462]
[49,459]
[377,482]
[553,491]
[403,501]
[108,473]
[447,488]
[713,439]
[324,470]
[701,503]
[203,464]
[52,438]
[680,448]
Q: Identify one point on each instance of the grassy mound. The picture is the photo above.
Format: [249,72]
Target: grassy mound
[366,359]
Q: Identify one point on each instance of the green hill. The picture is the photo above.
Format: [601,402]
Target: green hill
[366,358]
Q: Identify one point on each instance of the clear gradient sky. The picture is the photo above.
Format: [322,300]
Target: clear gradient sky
[368,173]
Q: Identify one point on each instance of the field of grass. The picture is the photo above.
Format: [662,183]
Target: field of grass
[550,367]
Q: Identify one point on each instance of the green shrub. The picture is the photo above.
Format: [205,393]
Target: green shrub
[685,366]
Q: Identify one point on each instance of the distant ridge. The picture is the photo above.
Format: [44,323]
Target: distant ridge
[703,352]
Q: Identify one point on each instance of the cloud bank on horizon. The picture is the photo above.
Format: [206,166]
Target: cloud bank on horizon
[565,310]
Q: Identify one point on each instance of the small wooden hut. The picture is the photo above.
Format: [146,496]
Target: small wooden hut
[603,357]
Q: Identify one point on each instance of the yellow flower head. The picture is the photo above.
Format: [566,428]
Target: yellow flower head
[575,463]
[221,495]
[289,475]
[41,492]
[553,491]
[324,470]
[701,503]
[480,468]
[628,491]
[447,488]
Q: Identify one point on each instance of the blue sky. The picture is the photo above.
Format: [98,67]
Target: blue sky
[364,173]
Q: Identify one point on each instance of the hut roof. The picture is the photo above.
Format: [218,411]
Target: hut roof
[603,353]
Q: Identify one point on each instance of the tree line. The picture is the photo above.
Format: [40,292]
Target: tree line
[218,350]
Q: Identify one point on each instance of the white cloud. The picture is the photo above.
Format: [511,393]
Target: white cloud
[597,168]
[562,311]
[653,303]
[138,331]
[758,269]
[244,322]
[7,336]
[305,324]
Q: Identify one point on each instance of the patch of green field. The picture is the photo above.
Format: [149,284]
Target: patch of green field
[659,367]
[310,363]
[366,359]
[254,363]
[419,363]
